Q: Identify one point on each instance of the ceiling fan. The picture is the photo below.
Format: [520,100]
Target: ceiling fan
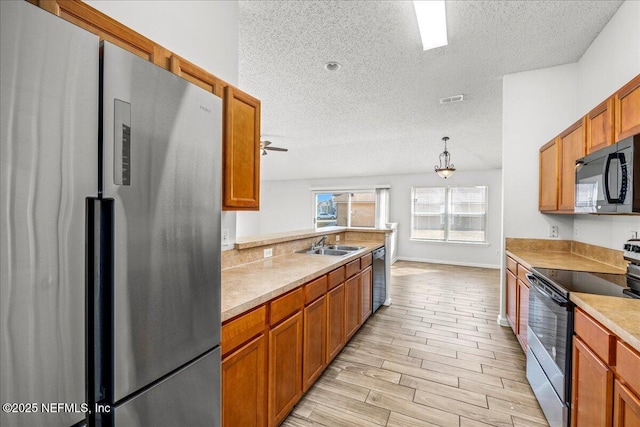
[266,145]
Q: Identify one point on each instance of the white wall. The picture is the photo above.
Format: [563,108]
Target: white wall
[203,32]
[288,205]
[537,105]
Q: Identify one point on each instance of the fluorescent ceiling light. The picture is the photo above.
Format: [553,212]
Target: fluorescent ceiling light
[432,22]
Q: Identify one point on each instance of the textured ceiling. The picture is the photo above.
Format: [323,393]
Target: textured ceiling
[379,114]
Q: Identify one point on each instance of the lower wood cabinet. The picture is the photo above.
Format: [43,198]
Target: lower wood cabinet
[366,289]
[275,352]
[523,313]
[517,304]
[605,381]
[626,406]
[592,388]
[335,321]
[352,306]
[244,381]
[314,354]
[512,300]
[285,367]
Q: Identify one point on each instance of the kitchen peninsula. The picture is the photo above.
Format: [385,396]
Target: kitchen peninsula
[285,317]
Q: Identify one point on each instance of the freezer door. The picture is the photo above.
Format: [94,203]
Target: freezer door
[161,164]
[48,164]
[190,397]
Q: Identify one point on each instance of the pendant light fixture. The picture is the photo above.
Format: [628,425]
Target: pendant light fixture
[446,168]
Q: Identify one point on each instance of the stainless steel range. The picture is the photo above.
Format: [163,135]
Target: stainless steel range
[550,327]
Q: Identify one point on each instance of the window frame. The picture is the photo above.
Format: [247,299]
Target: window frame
[378,204]
[447,216]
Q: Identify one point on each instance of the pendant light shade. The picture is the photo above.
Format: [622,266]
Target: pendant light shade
[445,169]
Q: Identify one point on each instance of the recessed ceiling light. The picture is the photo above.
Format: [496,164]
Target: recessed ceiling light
[432,21]
[332,66]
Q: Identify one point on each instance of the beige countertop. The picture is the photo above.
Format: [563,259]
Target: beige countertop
[250,285]
[620,315]
[561,260]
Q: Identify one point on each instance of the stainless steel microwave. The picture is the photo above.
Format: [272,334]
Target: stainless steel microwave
[605,179]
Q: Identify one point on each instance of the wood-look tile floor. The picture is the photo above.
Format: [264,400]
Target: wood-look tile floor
[435,357]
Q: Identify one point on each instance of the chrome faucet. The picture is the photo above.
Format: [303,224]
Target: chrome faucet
[320,243]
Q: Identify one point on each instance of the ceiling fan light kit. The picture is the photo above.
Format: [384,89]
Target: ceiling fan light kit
[445,169]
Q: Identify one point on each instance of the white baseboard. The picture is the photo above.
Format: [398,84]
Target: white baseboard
[448,262]
[502,321]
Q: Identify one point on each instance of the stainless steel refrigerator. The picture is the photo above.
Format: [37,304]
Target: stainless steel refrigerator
[110,222]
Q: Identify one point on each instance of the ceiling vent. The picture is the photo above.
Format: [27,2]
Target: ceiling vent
[451,99]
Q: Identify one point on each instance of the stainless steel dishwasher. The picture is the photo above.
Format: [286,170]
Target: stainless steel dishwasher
[379,281]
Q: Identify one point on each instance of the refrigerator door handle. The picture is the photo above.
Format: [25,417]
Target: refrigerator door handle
[99,301]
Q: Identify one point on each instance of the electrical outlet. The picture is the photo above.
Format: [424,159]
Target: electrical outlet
[553,231]
[576,232]
[268,252]
[225,237]
[337,237]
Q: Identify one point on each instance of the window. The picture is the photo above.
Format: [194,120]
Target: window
[452,214]
[351,208]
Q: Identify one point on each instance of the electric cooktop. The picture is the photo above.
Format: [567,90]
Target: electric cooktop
[567,281]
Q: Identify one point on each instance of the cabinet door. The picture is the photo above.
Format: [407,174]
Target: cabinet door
[285,368]
[366,305]
[627,109]
[592,388]
[314,341]
[244,380]
[512,301]
[352,306]
[548,180]
[600,128]
[241,151]
[523,313]
[335,321]
[572,147]
[626,407]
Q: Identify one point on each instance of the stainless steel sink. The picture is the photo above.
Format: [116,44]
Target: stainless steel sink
[345,248]
[324,251]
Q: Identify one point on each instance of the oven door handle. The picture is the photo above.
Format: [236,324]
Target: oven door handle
[540,288]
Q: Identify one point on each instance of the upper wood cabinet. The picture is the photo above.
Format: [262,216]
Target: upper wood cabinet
[571,148]
[627,109]
[600,129]
[548,188]
[241,151]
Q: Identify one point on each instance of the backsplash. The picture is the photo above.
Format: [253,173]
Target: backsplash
[235,257]
[605,255]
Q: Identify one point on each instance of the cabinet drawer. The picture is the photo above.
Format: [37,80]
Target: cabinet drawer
[282,307]
[596,336]
[353,268]
[522,274]
[512,265]
[336,277]
[241,329]
[313,290]
[628,365]
[365,261]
